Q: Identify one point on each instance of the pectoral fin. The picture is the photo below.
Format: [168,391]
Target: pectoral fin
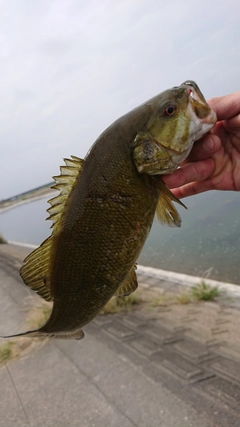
[129,285]
[166,212]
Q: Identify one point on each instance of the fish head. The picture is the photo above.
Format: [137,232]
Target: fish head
[179,117]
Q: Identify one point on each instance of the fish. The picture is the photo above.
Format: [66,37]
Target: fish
[106,205]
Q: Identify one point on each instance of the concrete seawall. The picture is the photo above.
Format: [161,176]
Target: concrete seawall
[230,289]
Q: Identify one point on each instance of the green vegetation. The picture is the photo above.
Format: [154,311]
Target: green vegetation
[162,300]
[39,313]
[10,350]
[200,292]
[118,304]
[184,298]
[170,299]
[205,292]
[6,352]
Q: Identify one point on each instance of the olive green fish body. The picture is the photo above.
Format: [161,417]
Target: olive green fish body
[103,230]
[106,207]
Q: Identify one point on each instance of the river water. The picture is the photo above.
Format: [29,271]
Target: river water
[206,245]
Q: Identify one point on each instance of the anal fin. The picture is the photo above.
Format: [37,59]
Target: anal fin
[129,285]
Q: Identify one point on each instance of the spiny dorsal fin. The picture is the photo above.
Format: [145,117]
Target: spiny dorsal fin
[166,211]
[129,285]
[64,184]
[35,272]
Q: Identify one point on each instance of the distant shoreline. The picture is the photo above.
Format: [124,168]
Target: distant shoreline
[5,205]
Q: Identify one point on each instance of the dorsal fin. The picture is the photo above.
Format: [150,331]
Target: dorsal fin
[64,184]
[36,272]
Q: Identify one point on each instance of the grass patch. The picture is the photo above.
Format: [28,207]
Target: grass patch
[184,298]
[38,313]
[12,349]
[118,304]
[6,352]
[162,300]
[205,292]
[170,299]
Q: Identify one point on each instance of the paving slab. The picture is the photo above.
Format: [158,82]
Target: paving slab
[151,367]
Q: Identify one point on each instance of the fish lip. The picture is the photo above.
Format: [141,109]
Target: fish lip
[211,119]
[195,96]
[210,115]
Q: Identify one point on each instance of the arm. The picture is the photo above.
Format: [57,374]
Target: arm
[214,162]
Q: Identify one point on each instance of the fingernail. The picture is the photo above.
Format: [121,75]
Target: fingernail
[208,144]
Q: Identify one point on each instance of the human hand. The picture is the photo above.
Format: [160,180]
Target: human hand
[214,162]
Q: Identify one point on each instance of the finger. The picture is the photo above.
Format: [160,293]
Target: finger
[193,171]
[226,106]
[233,124]
[204,148]
[192,189]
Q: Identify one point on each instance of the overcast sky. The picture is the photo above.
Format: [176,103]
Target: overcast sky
[69,68]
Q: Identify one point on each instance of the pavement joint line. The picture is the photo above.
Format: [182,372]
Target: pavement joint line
[16,392]
[194,377]
[94,382]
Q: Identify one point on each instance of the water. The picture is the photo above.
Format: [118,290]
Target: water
[25,223]
[206,245]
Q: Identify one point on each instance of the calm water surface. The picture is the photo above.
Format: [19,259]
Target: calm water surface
[206,245]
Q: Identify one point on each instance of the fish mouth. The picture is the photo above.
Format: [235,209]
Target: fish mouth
[199,104]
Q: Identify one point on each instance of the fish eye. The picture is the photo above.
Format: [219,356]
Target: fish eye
[170,110]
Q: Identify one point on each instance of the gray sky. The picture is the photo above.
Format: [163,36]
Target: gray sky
[69,68]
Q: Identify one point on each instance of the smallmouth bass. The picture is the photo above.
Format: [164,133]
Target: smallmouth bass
[106,206]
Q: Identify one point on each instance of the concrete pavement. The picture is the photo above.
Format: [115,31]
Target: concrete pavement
[172,365]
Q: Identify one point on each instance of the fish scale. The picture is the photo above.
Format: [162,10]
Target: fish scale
[106,207]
